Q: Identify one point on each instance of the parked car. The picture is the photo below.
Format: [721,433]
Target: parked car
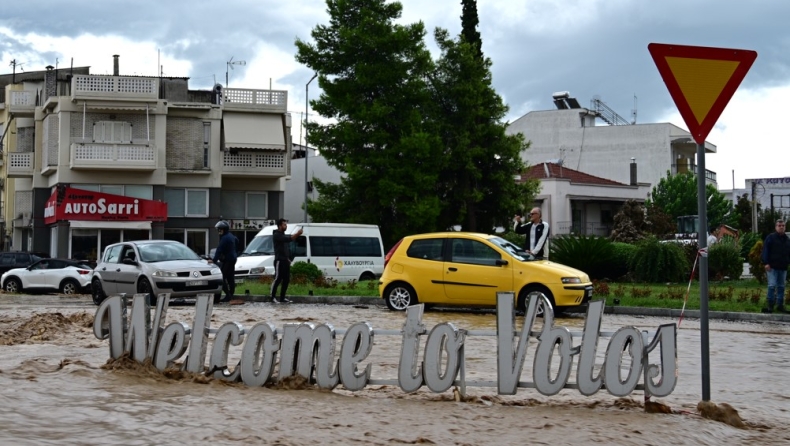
[58,275]
[468,269]
[19,259]
[154,267]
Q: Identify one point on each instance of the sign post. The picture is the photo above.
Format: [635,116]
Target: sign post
[701,81]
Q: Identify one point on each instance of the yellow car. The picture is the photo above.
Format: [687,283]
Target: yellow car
[468,269]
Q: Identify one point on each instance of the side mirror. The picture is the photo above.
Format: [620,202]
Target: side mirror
[501,262]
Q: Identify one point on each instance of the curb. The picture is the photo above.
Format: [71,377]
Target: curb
[627,311]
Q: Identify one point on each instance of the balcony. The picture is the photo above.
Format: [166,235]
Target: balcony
[115,88]
[244,99]
[20,164]
[22,103]
[254,164]
[710,176]
[108,156]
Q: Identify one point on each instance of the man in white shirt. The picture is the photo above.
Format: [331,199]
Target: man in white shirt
[537,233]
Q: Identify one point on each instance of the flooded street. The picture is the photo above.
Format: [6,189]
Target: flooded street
[55,391]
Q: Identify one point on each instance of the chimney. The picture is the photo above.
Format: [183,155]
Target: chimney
[50,83]
[633,171]
[115,66]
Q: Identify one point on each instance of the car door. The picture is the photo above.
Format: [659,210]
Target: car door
[424,270]
[36,275]
[109,269]
[127,273]
[475,273]
[53,273]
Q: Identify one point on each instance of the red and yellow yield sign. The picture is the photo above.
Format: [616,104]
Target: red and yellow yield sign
[701,81]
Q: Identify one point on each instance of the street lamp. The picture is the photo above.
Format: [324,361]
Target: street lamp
[229,65]
[306,92]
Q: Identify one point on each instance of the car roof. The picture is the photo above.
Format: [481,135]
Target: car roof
[477,235]
[147,242]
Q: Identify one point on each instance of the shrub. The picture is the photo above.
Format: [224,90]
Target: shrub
[303,272]
[747,242]
[654,262]
[600,288]
[673,292]
[755,262]
[645,291]
[623,252]
[722,294]
[590,254]
[724,260]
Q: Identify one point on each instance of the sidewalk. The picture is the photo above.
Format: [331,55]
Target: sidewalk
[630,311]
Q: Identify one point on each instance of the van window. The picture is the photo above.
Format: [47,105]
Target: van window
[345,246]
[298,247]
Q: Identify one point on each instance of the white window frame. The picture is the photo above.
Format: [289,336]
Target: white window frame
[186,202]
[247,211]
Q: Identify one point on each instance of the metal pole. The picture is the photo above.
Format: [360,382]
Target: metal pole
[702,238]
[306,152]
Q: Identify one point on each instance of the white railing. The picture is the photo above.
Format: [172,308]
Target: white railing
[23,98]
[249,97]
[113,156]
[85,86]
[253,163]
[20,164]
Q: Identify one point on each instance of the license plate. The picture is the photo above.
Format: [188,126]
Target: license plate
[239,280]
[197,282]
[589,293]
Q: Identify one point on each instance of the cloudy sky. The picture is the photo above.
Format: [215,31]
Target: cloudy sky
[587,47]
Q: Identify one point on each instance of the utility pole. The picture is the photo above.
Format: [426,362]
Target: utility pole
[754,206]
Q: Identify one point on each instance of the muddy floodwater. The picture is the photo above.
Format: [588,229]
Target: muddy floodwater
[55,390]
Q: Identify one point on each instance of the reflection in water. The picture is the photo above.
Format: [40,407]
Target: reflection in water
[55,389]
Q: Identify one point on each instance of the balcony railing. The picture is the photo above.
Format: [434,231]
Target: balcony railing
[20,164]
[248,99]
[104,156]
[269,164]
[710,176]
[114,87]
[22,102]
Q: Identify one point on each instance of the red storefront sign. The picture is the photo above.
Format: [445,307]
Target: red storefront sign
[68,203]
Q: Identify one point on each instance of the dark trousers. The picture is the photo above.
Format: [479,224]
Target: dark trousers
[282,276]
[228,279]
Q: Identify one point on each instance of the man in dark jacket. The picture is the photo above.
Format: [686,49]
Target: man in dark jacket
[282,259]
[537,233]
[225,257]
[776,257]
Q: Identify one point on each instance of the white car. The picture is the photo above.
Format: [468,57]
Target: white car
[58,275]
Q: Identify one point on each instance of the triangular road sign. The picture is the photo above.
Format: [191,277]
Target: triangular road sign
[701,81]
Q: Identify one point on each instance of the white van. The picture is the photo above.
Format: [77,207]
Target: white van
[342,251]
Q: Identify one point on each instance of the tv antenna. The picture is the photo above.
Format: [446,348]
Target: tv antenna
[229,66]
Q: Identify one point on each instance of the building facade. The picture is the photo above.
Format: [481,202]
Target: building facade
[103,153]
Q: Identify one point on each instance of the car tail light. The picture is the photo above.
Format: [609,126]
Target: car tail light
[84,271]
[391,252]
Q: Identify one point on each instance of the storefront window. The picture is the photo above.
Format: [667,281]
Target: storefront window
[130,235]
[84,243]
[108,237]
[196,240]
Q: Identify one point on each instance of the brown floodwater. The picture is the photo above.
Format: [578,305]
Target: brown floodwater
[55,390]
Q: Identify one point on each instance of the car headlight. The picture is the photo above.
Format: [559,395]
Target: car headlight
[257,270]
[215,271]
[571,280]
[163,273]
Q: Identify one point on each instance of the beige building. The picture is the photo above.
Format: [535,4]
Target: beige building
[97,159]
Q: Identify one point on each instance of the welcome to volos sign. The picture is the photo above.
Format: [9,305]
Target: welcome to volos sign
[308,349]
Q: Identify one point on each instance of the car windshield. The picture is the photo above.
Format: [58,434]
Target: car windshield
[162,252]
[259,246]
[517,252]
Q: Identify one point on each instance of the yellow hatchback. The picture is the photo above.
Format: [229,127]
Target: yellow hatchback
[468,269]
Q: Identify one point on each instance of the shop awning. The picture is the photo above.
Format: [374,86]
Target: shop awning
[84,207]
[256,131]
[81,224]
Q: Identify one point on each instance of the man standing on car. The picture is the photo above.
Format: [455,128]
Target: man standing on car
[537,231]
[225,257]
[282,259]
[776,257]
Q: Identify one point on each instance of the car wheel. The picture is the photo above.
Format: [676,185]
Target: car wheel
[527,292]
[367,275]
[144,287]
[13,285]
[70,287]
[399,296]
[97,292]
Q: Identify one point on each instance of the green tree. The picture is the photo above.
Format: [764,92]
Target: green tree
[629,223]
[743,213]
[677,195]
[476,184]
[766,221]
[372,73]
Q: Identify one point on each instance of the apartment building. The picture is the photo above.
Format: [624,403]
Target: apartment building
[107,158]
